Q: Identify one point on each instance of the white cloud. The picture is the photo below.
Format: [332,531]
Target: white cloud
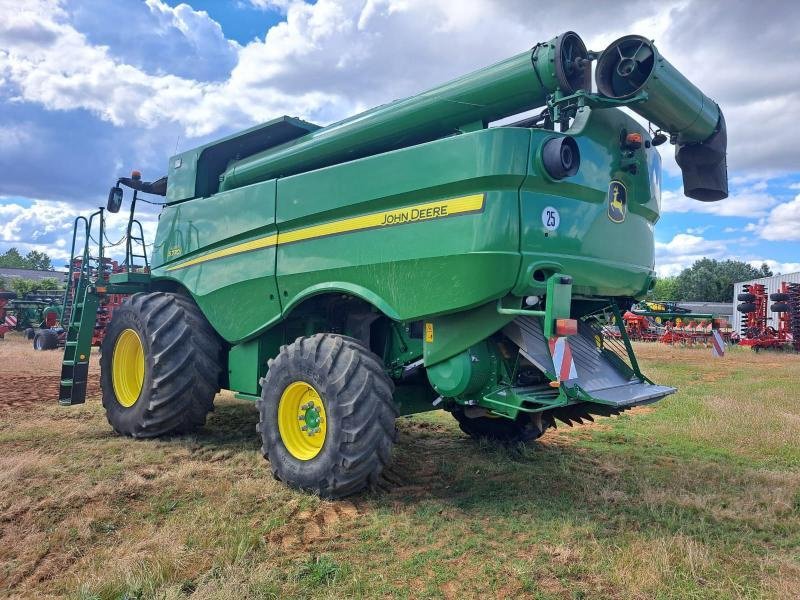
[683,250]
[47,226]
[776,266]
[53,64]
[782,223]
[748,202]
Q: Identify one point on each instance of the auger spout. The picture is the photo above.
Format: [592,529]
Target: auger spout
[633,66]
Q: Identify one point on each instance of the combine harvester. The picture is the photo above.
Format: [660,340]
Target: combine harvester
[405,259]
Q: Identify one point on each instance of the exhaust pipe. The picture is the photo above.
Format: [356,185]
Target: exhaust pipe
[632,65]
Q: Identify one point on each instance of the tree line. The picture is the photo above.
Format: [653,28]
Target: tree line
[707,280]
[32,260]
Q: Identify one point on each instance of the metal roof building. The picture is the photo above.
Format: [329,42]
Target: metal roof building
[33,274]
[773,284]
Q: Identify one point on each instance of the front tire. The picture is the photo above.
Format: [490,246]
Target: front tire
[326,415]
[159,366]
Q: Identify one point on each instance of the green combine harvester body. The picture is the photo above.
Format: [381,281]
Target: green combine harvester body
[458,265]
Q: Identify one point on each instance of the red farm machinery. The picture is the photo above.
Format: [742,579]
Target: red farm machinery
[668,323]
[761,331]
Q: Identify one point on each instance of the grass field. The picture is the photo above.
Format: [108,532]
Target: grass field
[695,497]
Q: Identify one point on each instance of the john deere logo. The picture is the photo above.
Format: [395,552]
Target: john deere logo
[617,201]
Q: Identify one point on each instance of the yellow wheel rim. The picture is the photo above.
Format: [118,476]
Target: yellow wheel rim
[127,368]
[302,421]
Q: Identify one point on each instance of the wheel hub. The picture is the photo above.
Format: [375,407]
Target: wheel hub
[302,420]
[127,368]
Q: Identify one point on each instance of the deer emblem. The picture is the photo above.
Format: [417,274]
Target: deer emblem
[617,200]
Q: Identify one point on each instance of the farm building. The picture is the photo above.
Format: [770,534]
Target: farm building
[772,285]
[32,274]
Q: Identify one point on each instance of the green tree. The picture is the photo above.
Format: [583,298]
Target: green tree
[33,260]
[711,280]
[26,286]
[12,258]
[38,260]
[666,288]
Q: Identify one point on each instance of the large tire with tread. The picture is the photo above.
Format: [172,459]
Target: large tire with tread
[499,429]
[779,307]
[746,307]
[746,297]
[182,358]
[45,340]
[779,297]
[359,414]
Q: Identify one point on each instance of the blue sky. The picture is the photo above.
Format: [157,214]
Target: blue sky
[91,89]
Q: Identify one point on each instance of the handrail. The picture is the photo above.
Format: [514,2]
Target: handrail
[73,286]
[71,264]
[141,239]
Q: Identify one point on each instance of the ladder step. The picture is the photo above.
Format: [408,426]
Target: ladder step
[66,382]
[71,343]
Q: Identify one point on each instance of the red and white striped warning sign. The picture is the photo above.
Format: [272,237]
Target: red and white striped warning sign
[11,320]
[717,344]
[563,364]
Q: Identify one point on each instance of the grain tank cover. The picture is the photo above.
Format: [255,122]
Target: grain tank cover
[195,173]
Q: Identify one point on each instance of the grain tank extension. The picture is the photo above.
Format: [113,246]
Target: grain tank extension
[418,256]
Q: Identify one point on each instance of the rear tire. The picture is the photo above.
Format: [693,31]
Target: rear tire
[499,429]
[180,366]
[45,340]
[357,416]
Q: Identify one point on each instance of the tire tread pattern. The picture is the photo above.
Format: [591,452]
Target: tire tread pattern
[185,356]
[358,394]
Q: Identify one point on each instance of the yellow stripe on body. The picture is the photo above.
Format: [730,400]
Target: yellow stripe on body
[389,218]
[256,244]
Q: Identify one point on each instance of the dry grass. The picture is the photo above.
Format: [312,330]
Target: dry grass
[695,497]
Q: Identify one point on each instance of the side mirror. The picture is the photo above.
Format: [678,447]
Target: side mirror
[114,199]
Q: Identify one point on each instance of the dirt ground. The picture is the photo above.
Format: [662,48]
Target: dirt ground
[29,377]
[674,500]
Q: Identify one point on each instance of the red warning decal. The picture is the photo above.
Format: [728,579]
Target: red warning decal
[563,364]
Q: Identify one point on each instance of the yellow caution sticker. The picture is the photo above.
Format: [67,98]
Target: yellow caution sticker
[429,333]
